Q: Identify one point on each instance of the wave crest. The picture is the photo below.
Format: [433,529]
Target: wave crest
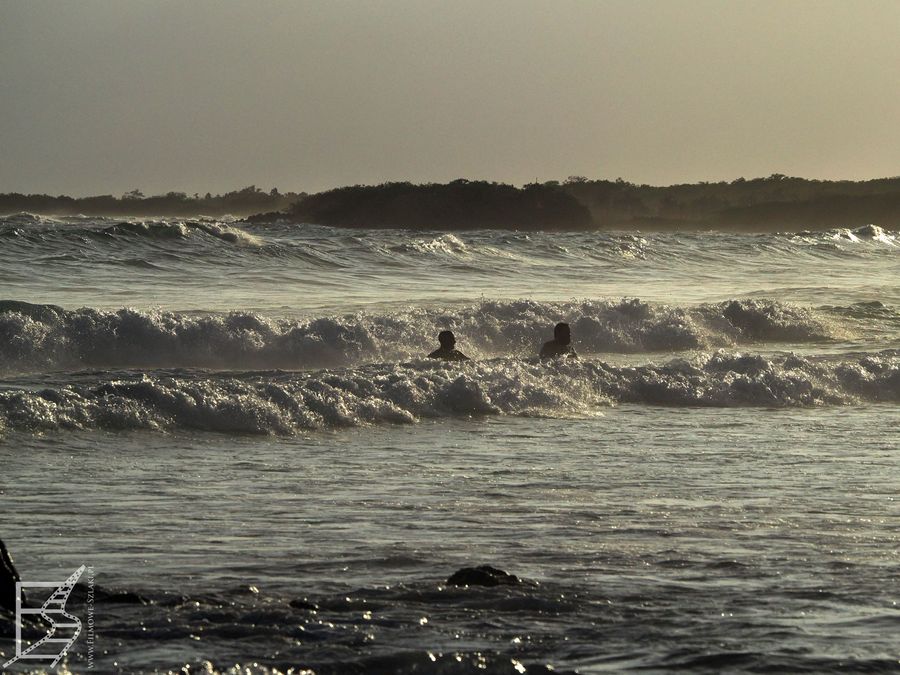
[281,403]
[41,337]
[161,229]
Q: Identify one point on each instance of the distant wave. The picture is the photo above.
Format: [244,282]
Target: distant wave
[281,403]
[868,234]
[182,229]
[49,231]
[46,235]
[45,337]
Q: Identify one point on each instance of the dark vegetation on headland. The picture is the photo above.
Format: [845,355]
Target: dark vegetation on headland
[178,204]
[761,204]
[461,204]
[774,203]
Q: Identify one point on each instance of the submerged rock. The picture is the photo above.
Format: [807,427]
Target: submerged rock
[81,591]
[303,604]
[483,575]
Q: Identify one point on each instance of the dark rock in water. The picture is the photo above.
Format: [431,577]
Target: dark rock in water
[483,575]
[173,600]
[122,597]
[268,217]
[80,592]
[8,578]
[304,604]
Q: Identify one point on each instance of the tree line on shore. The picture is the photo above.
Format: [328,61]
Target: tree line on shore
[242,202]
[774,203]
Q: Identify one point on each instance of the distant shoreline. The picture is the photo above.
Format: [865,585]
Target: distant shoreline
[244,202]
[774,203]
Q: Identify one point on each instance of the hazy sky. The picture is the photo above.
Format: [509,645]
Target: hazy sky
[104,96]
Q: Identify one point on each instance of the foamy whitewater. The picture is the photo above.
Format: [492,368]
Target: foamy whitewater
[236,427]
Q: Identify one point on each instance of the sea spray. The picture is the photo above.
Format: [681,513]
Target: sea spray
[46,337]
[286,403]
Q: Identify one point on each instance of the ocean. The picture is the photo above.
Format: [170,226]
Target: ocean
[235,428]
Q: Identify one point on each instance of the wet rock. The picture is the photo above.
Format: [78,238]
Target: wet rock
[483,575]
[81,591]
[8,578]
[303,604]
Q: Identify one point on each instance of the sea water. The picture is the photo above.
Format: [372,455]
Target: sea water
[235,427]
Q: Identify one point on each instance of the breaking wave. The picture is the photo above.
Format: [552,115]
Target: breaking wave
[478,247]
[181,230]
[286,403]
[50,232]
[46,337]
[867,233]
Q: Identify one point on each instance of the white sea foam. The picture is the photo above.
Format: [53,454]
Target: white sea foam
[859,235]
[42,337]
[161,229]
[282,403]
[446,243]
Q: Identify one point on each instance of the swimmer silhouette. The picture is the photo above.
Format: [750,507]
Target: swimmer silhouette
[447,350]
[560,345]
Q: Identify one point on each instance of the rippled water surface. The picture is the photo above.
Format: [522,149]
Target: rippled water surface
[235,427]
[211,265]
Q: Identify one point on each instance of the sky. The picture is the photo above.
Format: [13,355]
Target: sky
[106,96]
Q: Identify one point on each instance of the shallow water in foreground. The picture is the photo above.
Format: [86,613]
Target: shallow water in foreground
[656,538]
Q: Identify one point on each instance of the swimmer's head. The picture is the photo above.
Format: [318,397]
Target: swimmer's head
[562,334]
[447,339]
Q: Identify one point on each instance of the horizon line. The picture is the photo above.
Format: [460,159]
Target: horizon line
[574,178]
